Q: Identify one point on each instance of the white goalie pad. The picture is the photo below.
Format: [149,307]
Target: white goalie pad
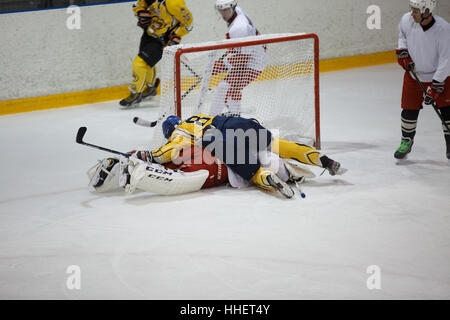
[297,170]
[156,178]
[111,182]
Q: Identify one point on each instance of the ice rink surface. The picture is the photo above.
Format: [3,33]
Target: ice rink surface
[223,243]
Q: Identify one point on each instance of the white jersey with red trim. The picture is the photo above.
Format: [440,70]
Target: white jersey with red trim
[241,26]
[430,49]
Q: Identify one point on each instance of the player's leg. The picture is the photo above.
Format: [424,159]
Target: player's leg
[445,111]
[238,79]
[144,82]
[412,98]
[442,103]
[218,100]
[306,155]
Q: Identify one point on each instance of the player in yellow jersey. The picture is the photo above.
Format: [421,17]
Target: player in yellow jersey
[249,151]
[164,23]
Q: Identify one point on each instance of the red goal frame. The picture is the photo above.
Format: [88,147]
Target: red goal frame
[180,51]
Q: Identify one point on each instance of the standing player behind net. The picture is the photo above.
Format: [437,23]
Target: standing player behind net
[424,45]
[164,23]
[243,64]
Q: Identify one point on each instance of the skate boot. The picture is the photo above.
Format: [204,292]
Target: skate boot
[133,99]
[404,149]
[150,91]
[279,185]
[268,180]
[448,151]
[332,166]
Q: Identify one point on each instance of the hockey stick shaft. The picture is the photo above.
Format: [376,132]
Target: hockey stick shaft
[79,139]
[433,103]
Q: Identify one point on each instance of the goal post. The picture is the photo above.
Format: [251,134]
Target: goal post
[279,86]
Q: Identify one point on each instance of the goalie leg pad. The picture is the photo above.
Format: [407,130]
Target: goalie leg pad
[297,171]
[155,178]
[104,175]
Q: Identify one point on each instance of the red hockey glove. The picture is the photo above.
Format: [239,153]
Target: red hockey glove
[144,19]
[404,59]
[434,91]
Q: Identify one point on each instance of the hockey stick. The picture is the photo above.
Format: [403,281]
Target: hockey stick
[433,103]
[80,134]
[297,185]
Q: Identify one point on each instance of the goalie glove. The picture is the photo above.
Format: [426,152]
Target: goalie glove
[144,155]
[173,40]
[144,19]
[404,59]
[434,91]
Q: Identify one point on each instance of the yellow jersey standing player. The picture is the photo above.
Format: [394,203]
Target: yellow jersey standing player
[164,23]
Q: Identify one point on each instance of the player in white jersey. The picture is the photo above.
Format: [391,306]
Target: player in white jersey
[242,65]
[424,45]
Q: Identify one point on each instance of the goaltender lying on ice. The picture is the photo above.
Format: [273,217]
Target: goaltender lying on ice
[205,151]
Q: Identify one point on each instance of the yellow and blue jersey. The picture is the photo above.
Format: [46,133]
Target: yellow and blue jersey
[186,134]
[166,15]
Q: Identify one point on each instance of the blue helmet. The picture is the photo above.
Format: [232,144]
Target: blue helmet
[169,125]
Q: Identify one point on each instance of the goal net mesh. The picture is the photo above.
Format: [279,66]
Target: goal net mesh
[274,82]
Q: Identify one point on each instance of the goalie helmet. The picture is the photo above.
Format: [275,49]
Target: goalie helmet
[169,125]
[225,4]
[423,5]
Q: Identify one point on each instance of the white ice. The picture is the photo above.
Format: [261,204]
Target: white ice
[223,243]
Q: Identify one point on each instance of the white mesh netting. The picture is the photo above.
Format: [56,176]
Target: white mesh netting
[273,83]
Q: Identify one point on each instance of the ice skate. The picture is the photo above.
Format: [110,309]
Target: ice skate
[150,91]
[333,167]
[280,185]
[404,148]
[132,100]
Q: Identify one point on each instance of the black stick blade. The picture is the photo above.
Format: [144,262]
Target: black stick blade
[80,134]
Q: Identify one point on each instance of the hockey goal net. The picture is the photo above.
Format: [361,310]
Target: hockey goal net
[273,78]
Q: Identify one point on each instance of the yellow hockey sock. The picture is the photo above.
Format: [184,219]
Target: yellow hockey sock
[142,74]
[293,150]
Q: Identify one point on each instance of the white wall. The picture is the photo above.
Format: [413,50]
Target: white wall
[40,56]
